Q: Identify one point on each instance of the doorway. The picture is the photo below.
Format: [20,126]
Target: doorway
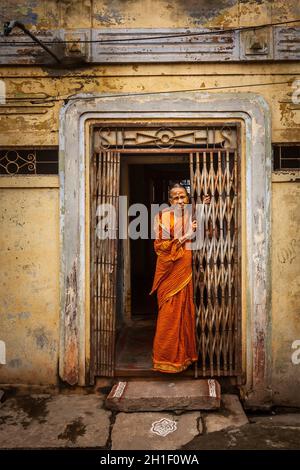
[148,183]
[157,180]
[142,164]
[194,120]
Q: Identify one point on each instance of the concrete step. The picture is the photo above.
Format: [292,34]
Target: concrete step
[165,395]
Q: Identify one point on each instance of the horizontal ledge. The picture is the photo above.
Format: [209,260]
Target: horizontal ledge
[29,181]
[148,45]
[292,176]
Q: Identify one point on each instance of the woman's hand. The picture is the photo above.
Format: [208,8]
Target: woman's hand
[189,234]
[206,199]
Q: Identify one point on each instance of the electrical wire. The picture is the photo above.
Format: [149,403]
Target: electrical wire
[122,95]
[166,36]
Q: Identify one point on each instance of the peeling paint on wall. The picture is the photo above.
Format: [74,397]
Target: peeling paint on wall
[29,300]
[29,217]
[70,328]
[286,291]
[287,253]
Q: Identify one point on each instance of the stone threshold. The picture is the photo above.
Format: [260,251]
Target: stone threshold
[164,395]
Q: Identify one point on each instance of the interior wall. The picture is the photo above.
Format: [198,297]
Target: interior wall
[138,194]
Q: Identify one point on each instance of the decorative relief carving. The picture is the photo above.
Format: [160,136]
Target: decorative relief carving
[165,137]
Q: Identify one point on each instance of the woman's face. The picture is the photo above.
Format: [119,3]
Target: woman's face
[178,197]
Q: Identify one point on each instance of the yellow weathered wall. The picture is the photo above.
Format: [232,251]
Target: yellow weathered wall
[40,124]
[41,14]
[29,279]
[286,290]
[30,217]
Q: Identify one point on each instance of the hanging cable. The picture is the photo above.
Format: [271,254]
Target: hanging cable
[153,93]
[9,26]
[164,36]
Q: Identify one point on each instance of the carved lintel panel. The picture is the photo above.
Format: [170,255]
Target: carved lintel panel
[164,137]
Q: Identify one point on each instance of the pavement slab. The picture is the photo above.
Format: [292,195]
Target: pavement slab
[230,414]
[248,437]
[48,421]
[154,430]
[286,419]
[45,421]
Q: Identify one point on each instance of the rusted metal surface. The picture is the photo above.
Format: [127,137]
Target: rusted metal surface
[217,283]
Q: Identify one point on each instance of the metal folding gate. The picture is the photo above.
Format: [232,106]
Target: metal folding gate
[214,170]
[104,187]
[216,266]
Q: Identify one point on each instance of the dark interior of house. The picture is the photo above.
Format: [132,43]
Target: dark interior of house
[149,184]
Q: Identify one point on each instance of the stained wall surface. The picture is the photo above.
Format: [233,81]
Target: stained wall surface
[30,252]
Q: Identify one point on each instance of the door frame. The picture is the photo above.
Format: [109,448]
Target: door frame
[77,117]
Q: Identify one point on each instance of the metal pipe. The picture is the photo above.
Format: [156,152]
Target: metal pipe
[9,26]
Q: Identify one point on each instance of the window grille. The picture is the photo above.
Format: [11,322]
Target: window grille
[286,157]
[17,161]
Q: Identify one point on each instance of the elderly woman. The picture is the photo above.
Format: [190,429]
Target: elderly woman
[174,347]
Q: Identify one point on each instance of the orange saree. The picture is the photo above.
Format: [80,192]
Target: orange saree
[174,347]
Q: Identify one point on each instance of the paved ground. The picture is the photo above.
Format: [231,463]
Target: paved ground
[260,435]
[45,421]
[81,421]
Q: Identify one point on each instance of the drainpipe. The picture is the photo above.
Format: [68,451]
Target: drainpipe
[9,26]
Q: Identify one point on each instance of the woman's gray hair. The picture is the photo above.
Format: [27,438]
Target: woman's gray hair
[177,185]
